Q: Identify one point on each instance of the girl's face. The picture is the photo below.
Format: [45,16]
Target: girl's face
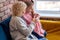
[29,9]
[21,14]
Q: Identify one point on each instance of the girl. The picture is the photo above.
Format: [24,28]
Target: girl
[29,15]
[18,26]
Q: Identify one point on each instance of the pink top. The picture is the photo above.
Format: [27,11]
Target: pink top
[38,29]
[28,17]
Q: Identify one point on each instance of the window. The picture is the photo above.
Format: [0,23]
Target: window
[48,8]
[48,5]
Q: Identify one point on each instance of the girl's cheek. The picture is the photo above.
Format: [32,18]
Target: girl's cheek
[24,12]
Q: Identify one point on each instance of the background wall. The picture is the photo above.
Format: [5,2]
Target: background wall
[5,8]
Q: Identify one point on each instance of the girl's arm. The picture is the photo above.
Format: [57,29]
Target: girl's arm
[22,27]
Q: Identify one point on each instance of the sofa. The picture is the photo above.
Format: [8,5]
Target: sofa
[4,30]
[2,34]
[52,28]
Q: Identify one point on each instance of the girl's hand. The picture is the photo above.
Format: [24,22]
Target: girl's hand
[34,19]
[37,15]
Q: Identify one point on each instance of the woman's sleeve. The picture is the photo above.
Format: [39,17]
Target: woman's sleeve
[22,27]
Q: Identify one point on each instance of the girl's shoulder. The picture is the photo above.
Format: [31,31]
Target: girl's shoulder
[15,18]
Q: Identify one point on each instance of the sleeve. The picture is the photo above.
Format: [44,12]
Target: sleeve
[22,27]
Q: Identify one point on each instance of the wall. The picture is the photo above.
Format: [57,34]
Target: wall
[5,8]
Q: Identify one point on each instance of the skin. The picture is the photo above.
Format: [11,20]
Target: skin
[30,9]
[21,13]
[36,16]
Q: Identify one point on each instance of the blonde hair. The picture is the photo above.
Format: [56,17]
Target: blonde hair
[18,7]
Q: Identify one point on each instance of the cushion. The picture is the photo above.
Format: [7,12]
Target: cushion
[5,25]
[2,34]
